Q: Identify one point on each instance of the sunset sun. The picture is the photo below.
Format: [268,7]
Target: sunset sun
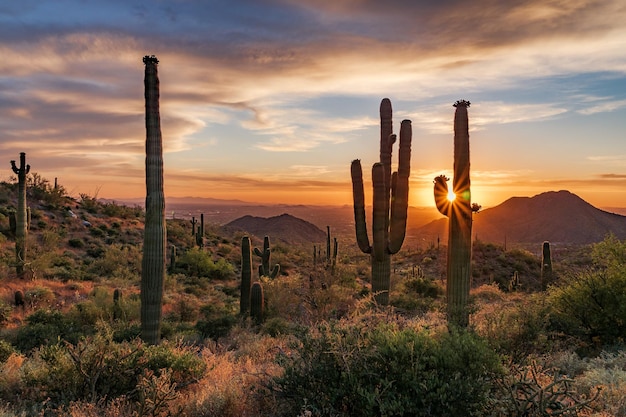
[451,195]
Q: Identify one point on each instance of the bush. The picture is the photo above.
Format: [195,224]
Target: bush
[198,263]
[97,368]
[341,369]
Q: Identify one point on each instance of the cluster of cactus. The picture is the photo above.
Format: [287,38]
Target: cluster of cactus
[390,202]
[154,246]
[265,255]
[546,266]
[459,212]
[21,217]
[252,298]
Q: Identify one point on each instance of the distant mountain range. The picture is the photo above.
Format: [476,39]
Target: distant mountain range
[556,216]
[285,227]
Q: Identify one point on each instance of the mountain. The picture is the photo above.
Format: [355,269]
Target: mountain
[555,216]
[285,227]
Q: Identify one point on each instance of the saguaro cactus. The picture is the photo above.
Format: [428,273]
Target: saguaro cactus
[257,302]
[154,244]
[546,266]
[246,275]
[459,212]
[264,268]
[21,217]
[390,202]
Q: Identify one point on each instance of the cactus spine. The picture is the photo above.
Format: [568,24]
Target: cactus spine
[390,202]
[459,213]
[21,217]
[546,266]
[246,275]
[154,245]
[264,268]
[257,302]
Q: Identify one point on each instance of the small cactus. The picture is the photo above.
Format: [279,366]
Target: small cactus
[21,216]
[546,266]
[19,299]
[265,255]
[172,258]
[246,275]
[257,303]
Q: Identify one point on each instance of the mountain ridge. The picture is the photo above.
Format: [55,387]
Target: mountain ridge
[555,216]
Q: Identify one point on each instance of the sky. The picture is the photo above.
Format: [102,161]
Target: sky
[270,100]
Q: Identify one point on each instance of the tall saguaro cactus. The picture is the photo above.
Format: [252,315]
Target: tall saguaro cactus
[154,243]
[21,217]
[459,213]
[546,266]
[390,202]
[246,275]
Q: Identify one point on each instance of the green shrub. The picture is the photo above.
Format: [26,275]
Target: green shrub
[6,350]
[382,369]
[198,263]
[43,328]
[97,368]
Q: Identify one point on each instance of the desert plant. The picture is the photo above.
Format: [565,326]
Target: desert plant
[390,202]
[154,245]
[459,213]
[265,255]
[246,275]
[21,223]
[257,302]
[546,265]
[382,368]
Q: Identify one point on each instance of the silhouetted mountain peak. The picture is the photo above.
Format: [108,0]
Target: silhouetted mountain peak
[556,216]
[283,227]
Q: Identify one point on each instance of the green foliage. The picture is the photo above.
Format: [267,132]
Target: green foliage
[217,322]
[199,263]
[97,368]
[44,328]
[591,304]
[6,350]
[383,369]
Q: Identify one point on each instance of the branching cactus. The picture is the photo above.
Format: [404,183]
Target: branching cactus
[546,266]
[459,213]
[390,202]
[154,244]
[246,275]
[257,303]
[21,217]
[265,255]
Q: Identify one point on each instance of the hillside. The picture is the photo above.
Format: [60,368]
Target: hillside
[556,216]
[285,227]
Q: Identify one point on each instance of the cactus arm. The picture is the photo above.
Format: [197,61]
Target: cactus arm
[400,190]
[359,207]
[275,271]
[379,214]
[14,167]
[441,195]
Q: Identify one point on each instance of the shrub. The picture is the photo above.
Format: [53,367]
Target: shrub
[199,263]
[341,369]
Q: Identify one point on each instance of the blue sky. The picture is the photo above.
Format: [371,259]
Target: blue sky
[270,100]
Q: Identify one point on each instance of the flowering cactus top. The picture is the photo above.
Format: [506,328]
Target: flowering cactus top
[462,103]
